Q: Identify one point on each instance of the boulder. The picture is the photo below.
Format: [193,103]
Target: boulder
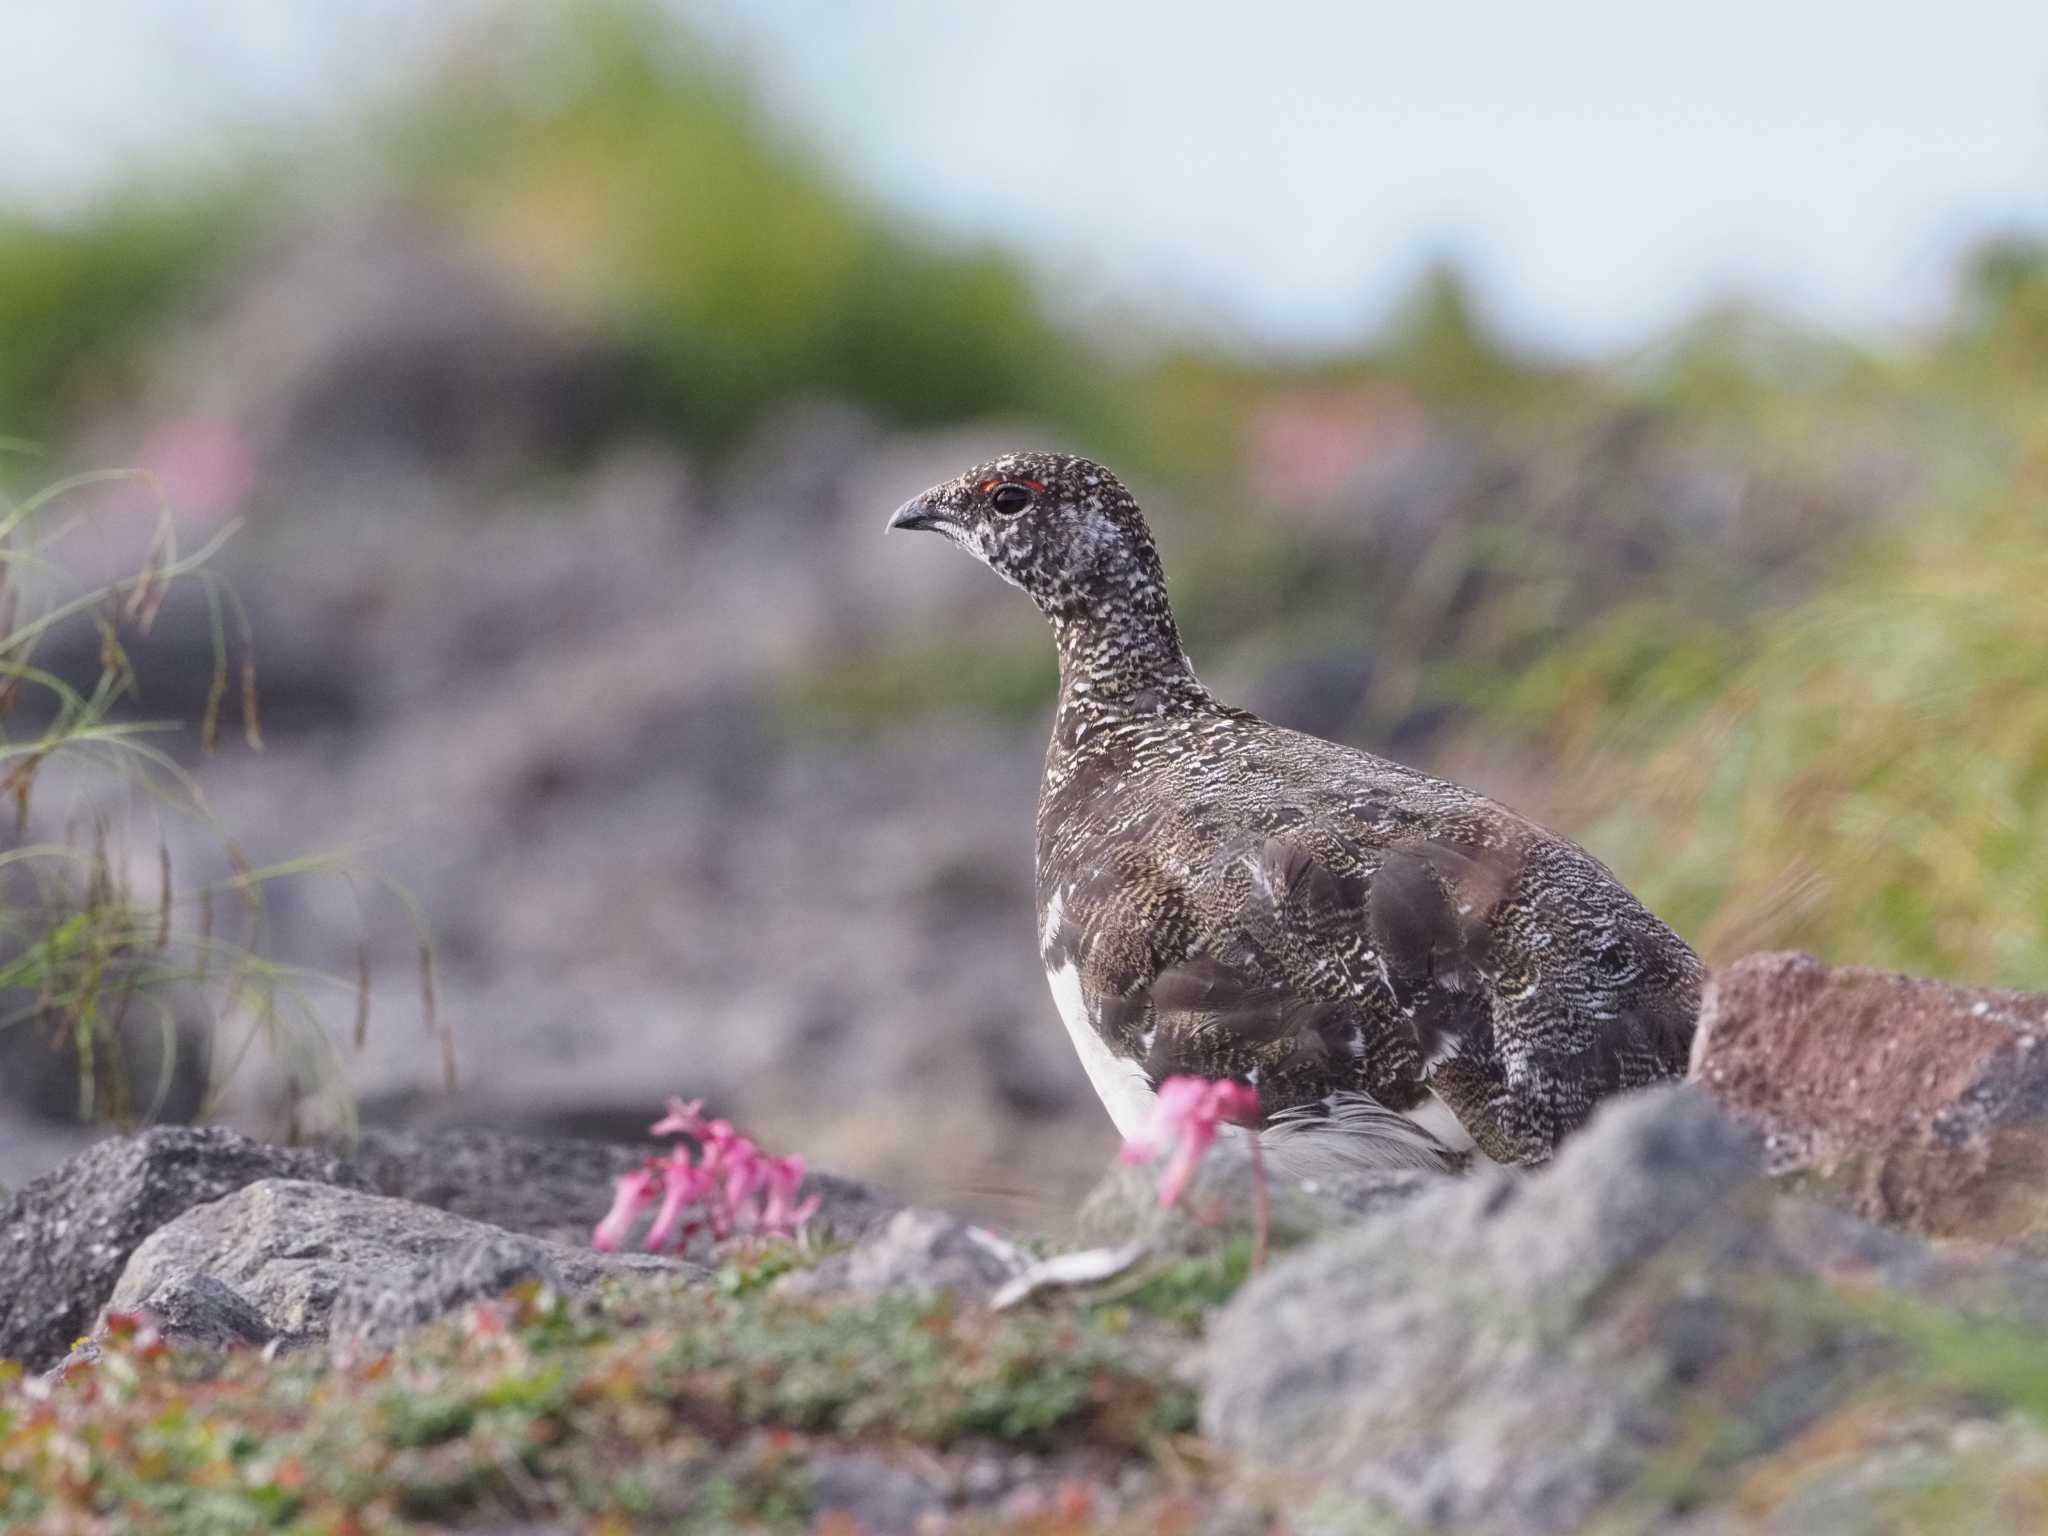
[308,1255]
[197,1308]
[66,1237]
[467,1213]
[1913,1102]
[1620,1336]
[193,1309]
[416,352]
[376,1310]
[920,1253]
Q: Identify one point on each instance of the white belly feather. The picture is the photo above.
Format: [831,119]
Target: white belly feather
[1119,1082]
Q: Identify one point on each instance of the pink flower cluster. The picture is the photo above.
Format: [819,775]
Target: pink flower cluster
[1186,1117]
[728,1188]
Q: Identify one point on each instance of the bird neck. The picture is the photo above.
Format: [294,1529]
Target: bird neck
[1124,656]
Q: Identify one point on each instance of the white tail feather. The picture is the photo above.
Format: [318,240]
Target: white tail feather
[1352,1133]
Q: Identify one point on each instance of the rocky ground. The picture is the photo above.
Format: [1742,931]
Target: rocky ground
[1696,1320]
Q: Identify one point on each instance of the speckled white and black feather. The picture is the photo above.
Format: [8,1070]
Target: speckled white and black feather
[1220,896]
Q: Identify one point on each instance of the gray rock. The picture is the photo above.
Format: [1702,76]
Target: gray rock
[66,1237]
[1912,1102]
[1220,1203]
[299,1251]
[918,1252]
[198,1309]
[416,354]
[875,1495]
[1521,1354]
[848,1208]
[376,1311]
[551,1188]
[31,1146]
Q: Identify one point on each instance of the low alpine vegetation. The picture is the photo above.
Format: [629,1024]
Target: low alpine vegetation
[671,1407]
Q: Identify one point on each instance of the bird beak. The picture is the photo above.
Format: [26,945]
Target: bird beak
[914,513]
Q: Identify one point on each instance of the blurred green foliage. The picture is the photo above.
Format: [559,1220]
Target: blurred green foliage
[1440,344]
[1860,770]
[74,295]
[642,183]
[2001,341]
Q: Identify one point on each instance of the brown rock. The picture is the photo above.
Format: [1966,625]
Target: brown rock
[1914,1102]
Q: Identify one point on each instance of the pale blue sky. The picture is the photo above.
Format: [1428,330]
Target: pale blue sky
[1278,170]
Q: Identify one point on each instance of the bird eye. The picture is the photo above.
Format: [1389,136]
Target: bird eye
[1010,498]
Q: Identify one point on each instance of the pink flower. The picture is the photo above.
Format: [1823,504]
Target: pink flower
[743,1180]
[720,1142]
[681,1120]
[684,1186]
[729,1183]
[633,1193]
[1187,1114]
[782,1211]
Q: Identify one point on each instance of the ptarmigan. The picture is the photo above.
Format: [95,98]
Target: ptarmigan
[1365,944]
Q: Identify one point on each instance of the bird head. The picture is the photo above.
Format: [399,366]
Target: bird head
[1064,529]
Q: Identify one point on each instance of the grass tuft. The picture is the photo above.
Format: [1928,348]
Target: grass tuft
[1862,773]
[112,959]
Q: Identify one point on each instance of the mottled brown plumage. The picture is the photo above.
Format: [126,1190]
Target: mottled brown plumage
[1224,897]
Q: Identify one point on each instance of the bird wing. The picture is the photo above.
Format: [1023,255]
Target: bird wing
[1329,967]
[1505,971]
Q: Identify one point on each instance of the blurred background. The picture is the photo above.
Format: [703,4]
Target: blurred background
[1642,417]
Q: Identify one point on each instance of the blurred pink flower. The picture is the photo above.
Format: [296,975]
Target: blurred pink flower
[686,1119]
[1186,1116]
[633,1193]
[730,1184]
[205,465]
[743,1180]
[487,1319]
[684,1185]
[782,1210]
[1312,448]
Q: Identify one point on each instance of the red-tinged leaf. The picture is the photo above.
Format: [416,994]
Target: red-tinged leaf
[1074,1503]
